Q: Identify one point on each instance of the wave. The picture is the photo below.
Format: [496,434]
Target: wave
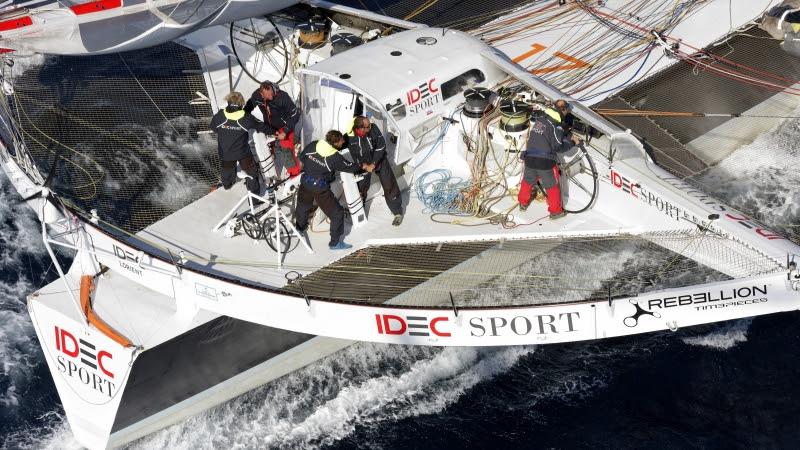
[49,431]
[318,405]
[21,257]
[25,383]
[760,178]
[723,338]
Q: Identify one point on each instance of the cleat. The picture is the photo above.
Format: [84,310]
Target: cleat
[340,246]
[557,215]
[398,219]
[523,207]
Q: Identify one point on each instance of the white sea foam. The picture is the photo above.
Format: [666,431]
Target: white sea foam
[363,384]
[725,337]
[25,62]
[19,243]
[761,178]
[53,434]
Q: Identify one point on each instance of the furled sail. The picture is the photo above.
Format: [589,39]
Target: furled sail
[104,26]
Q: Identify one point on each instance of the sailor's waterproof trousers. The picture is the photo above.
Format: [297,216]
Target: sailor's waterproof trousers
[307,196]
[391,192]
[228,173]
[548,178]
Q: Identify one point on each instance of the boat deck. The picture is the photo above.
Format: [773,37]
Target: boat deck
[190,230]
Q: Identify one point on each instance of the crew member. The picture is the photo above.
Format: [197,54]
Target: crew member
[367,146]
[567,118]
[280,112]
[232,126]
[321,160]
[545,140]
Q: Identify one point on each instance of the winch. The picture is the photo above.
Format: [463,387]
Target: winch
[344,41]
[478,102]
[312,34]
[515,116]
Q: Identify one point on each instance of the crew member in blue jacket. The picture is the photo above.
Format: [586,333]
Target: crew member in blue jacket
[545,140]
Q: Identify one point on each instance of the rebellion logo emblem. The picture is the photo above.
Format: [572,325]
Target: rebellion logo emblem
[411,325]
[632,321]
[81,360]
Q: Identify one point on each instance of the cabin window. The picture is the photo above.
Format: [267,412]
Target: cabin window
[396,109]
[460,83]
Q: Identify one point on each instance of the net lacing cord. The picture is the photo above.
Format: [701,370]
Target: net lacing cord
[92,182]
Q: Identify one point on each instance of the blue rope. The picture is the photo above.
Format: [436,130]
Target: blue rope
[439,191]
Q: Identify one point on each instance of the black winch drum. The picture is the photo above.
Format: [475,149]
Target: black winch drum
[312,34]
[477,102]
[514,116]
[344,41]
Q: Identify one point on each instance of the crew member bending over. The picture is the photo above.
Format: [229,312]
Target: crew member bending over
[232,126]
[321,160]
[545,140]
[280,112]
[367,146]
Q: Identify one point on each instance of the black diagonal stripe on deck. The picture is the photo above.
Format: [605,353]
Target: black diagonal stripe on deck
[86,353]
[87,344]
[699,91]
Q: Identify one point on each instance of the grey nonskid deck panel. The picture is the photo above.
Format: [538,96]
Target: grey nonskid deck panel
[198,360]
[684,88]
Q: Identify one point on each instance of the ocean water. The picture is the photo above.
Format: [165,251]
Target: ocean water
[729,385]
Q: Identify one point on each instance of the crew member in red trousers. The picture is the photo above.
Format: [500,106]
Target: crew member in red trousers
[279,112]
[545,141]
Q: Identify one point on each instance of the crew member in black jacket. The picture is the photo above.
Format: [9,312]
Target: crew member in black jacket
[545,140]
[280,112]
[321,160]
[232,126]
[367,146]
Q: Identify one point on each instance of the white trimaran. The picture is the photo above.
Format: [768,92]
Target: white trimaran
[160,323]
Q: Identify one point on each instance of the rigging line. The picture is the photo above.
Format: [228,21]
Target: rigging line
[742,78]
[513,32]
[135,78]
[91,181]
[635,112]
[77,119]
[420,9]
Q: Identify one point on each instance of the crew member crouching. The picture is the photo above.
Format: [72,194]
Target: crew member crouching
[545,140]
[232,126]
[367,146]
[321,160]
[280,113]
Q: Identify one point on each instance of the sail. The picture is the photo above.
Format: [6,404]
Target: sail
[106,26]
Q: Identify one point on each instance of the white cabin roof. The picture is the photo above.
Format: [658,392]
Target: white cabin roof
[392,68]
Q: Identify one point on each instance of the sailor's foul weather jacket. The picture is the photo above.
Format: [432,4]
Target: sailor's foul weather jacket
[546,139]
[321,161]
[232,126]
[370,149]
[280,113]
